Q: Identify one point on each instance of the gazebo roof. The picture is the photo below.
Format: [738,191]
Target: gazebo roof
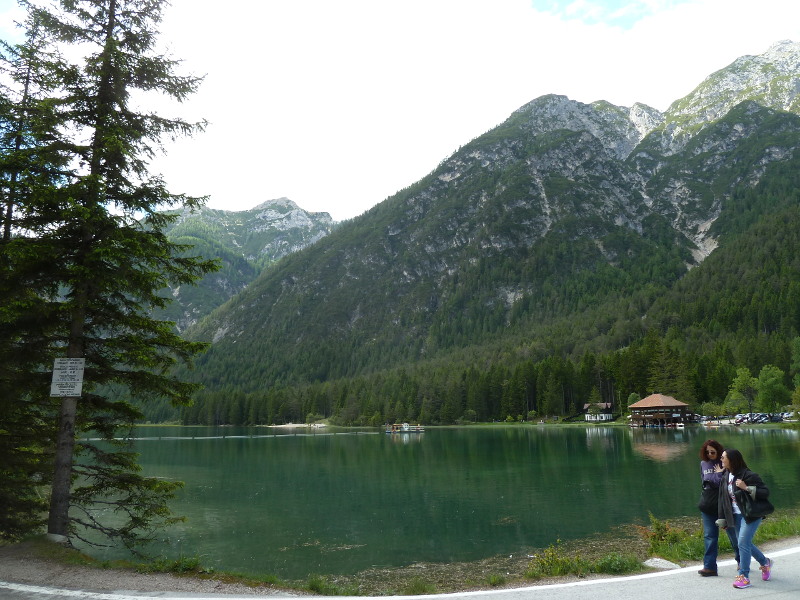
[658,401]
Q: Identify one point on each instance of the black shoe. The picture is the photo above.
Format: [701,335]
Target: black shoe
[707,573]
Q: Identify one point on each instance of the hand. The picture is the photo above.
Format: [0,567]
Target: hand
[741,484]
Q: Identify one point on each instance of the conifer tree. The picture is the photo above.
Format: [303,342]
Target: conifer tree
[108,258]
[30,159]
[668,374]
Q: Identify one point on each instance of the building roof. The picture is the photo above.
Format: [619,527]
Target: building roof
[658,401]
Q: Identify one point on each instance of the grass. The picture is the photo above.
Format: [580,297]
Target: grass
[417,586]
[676,542]
[622,552]
[554,561]
[182,565]
[325,587]
[495,580]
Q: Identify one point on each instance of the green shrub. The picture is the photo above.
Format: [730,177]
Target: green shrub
[418,586]
[183,565]
[616,564]
[552,562]
[324,587]
[495,580]
[678,543]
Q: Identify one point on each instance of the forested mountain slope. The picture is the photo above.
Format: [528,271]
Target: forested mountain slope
[568,228]
[244,242]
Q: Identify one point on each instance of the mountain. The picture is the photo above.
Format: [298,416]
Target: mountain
[245,242]
[567,228]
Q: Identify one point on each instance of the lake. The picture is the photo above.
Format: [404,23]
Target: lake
[334,501]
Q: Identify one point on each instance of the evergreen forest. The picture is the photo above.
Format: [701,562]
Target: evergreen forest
[739,310]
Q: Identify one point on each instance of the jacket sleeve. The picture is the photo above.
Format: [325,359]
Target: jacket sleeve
[715,478]
[755,486]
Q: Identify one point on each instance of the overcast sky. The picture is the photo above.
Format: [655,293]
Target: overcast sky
[338,104]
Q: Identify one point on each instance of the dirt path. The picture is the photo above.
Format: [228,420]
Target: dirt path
[24,563]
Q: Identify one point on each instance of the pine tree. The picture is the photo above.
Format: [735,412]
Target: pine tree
[30,158]
[668,374]
[107,255]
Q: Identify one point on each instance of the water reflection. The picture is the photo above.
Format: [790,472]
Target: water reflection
[341,502]
[405,438]
[660,445]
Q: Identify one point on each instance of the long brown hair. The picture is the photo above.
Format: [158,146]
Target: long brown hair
[736,460]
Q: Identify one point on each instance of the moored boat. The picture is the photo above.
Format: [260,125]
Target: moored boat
[404,428]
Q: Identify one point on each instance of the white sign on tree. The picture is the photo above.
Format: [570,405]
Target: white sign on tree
[67,377]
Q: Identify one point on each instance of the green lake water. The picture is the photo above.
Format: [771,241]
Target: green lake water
[293,503]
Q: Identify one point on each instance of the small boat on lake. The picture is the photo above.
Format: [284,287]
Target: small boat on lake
[404,428]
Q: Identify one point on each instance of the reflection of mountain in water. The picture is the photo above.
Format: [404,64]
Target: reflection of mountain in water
[658,445]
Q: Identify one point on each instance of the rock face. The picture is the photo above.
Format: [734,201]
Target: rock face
[245,242]
[553,211]
[769,79]
[262,234]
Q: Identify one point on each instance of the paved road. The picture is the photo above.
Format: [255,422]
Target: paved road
[684,584]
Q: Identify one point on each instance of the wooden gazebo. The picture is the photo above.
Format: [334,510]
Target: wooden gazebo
[658,410]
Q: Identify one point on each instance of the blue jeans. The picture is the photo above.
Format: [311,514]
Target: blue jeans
[745,532]
[711,541]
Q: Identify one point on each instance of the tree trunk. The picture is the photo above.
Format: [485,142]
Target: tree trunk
[58,518]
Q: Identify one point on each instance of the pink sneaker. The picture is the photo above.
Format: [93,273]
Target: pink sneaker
[741,582]
[766,570]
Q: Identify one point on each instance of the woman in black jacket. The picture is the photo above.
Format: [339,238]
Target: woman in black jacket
[738,480]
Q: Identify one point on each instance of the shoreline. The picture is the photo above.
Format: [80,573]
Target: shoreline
[42,563]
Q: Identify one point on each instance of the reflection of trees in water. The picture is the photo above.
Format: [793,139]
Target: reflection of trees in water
[601,438]
[344,502]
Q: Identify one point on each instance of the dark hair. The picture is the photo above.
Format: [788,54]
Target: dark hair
[715,445]
[736,460]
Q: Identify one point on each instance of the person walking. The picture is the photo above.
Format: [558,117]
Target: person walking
[743,504]
[710,477]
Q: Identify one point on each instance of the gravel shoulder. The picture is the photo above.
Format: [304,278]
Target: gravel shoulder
[30,563]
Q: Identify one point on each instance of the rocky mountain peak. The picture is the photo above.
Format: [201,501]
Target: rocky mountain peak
[282,203]
[770,78]
[283,214]
[563,195]
[246,242]
[645,118]
[612,125]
